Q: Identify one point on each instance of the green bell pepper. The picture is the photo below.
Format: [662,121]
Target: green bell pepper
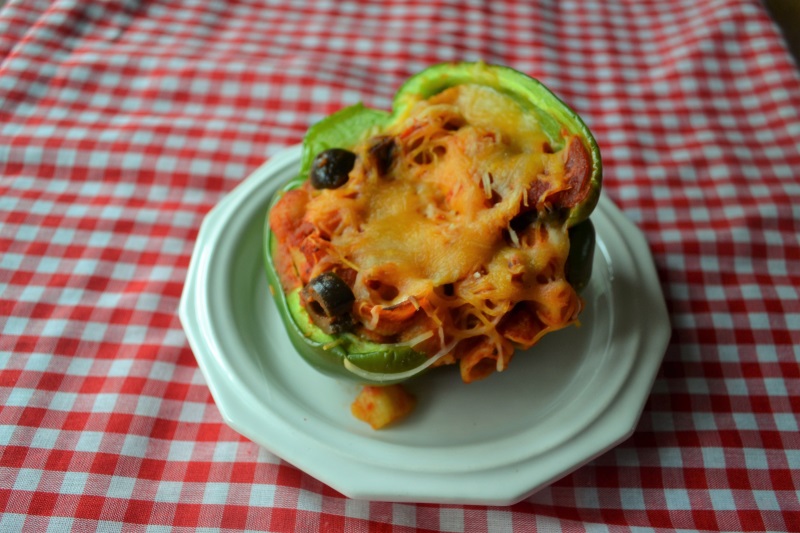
[347,355]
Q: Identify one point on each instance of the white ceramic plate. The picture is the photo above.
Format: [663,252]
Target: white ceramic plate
[573,396]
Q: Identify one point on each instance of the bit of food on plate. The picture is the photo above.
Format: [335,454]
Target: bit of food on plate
[382,406]
[453,231]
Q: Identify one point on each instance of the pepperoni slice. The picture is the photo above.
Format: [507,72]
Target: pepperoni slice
[577,181]
[578,170]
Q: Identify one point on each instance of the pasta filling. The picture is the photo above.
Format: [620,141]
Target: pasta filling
[450,230]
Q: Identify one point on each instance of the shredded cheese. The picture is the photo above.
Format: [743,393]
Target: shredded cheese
[436,231]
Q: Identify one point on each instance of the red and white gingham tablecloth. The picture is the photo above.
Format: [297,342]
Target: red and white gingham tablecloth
[122,122]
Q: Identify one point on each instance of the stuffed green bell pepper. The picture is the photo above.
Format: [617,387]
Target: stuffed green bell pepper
[452,230]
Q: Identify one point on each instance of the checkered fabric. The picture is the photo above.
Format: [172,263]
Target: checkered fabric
[122,122]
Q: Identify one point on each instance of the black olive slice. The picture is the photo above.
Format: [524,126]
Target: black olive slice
[328,302]
[382,152]
[331,168]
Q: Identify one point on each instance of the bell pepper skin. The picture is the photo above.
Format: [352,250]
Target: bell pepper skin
[578,269]
[345,355]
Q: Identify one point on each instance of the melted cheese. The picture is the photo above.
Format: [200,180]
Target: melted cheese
[465,163]
[440,223]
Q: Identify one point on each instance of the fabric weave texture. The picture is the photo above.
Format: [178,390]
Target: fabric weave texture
[123,122]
